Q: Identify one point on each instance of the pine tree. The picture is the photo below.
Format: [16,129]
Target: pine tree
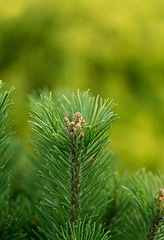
[11,213]
[81,195]
[81,198]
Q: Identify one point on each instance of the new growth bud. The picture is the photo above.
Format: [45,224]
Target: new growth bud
[160,199]
[75,127]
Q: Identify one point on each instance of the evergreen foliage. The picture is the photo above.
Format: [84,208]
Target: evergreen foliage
[15,210]
[75,171]
[126,210]
[83,232]
[9,214]
[145,220]
[80,195]
[5,133]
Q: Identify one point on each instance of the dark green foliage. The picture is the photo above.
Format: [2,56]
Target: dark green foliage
[124,207]
[54,146]
[5,134]
[118,206]
[11,213]
[80,195]
[133,212]
[145,218]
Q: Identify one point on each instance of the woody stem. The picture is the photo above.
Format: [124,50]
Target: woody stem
[75,184]
[153,230]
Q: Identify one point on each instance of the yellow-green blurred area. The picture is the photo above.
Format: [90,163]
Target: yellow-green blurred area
[115,48]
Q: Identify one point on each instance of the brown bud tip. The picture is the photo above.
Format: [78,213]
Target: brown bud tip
[77,115]
[66,120]
[161,192]
[81,134]
[9,216]
[160,199]
[156,198]
[77,125]
[70,126]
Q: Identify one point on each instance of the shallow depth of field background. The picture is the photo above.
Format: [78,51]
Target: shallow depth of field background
[115,48]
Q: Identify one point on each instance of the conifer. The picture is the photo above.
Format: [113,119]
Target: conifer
[80,194]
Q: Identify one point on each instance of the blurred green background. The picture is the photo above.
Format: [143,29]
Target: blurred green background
[115,48]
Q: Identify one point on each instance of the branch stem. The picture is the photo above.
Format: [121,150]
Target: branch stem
[75,185]
[154,229]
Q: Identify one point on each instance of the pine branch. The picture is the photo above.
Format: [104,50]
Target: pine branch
[5,135]
[75,134]
[157,220]
[72,159]
[10,227]
[155,225]
[5,124]
[144,220]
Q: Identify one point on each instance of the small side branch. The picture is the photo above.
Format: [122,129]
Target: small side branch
[156,222]
[75,133]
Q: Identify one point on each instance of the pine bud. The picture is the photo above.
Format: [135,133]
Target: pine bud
[160,199]
[66,120]
[77,117]
[75,127]
[161,192]
[70,127]
[82,123]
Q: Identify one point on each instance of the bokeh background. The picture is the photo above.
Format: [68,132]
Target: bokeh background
[115,48]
